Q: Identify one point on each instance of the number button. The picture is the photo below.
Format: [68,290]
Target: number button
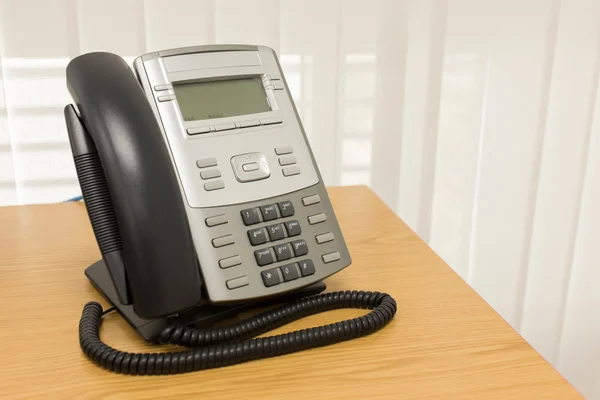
[257,236]
[269,212]
[300,247]
[276,232]
[289,272]
[263,257]
[250,216]
[282,252]
[286,208]
[271,277]
[293,228]
[306,267]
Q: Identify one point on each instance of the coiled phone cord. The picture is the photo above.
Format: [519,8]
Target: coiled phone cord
[221,346]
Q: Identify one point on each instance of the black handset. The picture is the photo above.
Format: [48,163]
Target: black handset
[158,252]
[205,200]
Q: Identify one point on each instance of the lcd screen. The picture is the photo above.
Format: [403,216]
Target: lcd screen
[220,99]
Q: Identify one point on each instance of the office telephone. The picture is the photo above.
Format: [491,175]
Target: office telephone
[205,200]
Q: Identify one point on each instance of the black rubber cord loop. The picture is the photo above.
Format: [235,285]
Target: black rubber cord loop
[221,346]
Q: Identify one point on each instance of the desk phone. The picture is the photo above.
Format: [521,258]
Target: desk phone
[205,200]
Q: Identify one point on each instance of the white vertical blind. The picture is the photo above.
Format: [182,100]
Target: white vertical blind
[477,121]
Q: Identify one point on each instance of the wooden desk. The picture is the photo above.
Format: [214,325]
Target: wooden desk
[445,341]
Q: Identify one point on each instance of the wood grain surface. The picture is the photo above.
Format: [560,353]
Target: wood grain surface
[445,341]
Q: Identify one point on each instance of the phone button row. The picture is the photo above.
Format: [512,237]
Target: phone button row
[281,252]
[237,282]
[288,272]
[274,232]
[268,212]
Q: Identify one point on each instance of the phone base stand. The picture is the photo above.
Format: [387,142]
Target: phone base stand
[204,315]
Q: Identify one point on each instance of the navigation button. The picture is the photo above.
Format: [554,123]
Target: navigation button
[238,162]
[250,167]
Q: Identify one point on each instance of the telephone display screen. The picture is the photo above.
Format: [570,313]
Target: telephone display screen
[220,99]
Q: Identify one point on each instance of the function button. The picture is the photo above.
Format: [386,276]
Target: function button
[214,185]
[282,252]
[300,247]
[210,173]
[324,238]
[167,97]
[223,241]
[206,162]
[271,277]
[250,216]
[160,88]
[224,127]
[306,267]
[263,256]
[276,232]
[287,160]
[291,171]
[257,236]
[248,124]
[289,272]
[293,228]
[314,199]
[270,121]
[250,167]
[237,282]
[283,150]
[277,85]
[230,262]
[286,208]
[269,212]
[216,220]
[196,131]
[327,258]
[315,219]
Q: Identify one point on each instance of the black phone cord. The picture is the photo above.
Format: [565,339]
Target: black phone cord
[221,346]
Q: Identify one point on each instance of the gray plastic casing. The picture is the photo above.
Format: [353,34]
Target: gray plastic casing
[194,64]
